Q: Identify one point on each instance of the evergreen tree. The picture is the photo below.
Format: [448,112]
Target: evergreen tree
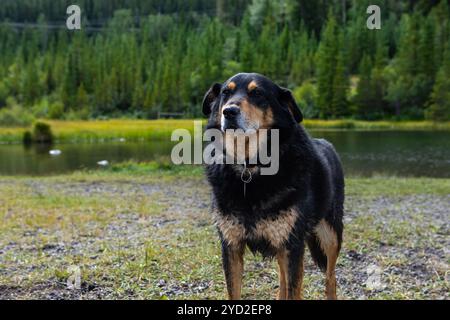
[364,95]
[409,86]
[30,88]
[439,106]
[339,103]
[82,99]
[426,50]
[326,66]
[141,57]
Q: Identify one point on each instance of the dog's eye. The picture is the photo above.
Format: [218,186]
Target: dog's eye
[226,92]
[257,92]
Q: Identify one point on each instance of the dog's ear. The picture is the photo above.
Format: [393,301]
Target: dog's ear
[210,97]
[287,99]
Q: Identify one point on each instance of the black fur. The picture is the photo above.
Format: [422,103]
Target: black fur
[310,177]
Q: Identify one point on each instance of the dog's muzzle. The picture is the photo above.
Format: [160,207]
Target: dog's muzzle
[231,117]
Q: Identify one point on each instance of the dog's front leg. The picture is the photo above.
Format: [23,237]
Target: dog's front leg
[233,266]
[283,265]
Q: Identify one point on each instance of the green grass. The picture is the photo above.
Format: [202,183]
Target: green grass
[376,125]
[75,131]
[143,231]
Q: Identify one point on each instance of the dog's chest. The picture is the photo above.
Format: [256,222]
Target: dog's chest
[273,230]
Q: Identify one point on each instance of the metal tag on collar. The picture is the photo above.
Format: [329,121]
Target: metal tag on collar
[246,181]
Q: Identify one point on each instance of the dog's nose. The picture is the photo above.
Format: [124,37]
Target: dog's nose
[231,112]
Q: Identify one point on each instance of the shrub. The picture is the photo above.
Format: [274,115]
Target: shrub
[27,138]
[15,116]
[40,109]
[42,133]
[82,114]
[306,97]
[56,110]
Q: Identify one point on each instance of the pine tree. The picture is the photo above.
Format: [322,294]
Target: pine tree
[378,81]
[409,88]
[426,50]
[258,11]
[30,89]
[439,106]
[440,16]
[246,52]
[326,65]
[72,77]
[82,99]
[339,103]
[168,57]
[364,96]
[302,51]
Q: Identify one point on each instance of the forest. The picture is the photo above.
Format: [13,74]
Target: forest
[135,59]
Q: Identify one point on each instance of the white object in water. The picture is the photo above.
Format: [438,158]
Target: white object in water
[103,163]
[55,152]
[122,140]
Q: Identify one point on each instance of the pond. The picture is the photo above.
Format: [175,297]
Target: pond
[363,153]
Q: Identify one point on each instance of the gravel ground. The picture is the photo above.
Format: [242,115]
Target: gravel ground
[153,239]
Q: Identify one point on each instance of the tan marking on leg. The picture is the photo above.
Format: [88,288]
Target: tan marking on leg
[282,273]
[329,244]
[326,235]
[330,282]
[276,230]
[232,230]
[236,269]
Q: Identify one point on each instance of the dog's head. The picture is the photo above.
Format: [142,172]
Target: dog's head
[250,101]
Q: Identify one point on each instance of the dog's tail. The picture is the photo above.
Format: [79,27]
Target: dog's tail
[317,254]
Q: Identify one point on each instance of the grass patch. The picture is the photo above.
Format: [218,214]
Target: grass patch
[160,167]
[95,131]
[133,130]
[143,231]
[376,186]
[376,125]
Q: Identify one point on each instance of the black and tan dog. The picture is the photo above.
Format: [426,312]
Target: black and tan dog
[278,214]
